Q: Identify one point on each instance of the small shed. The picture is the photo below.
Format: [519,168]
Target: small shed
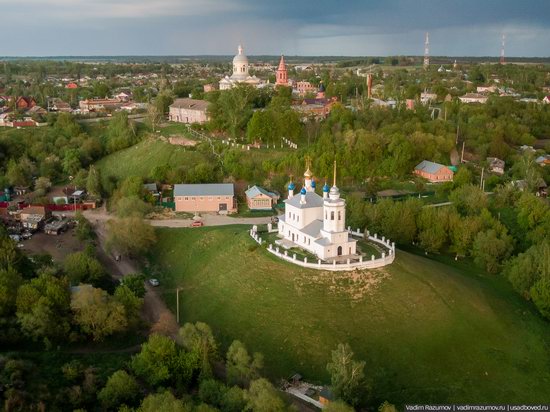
[326,396]
[258,198]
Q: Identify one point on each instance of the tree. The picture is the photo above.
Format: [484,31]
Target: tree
[93,182]
[212,392]
[120,132]
[71,162]
[42,186]
[80,267]
[165,402]
[432,224]
[468,199]
[155,362]
[10,280]
[136,283]
[120,388]
[490,249]
[263,397]
[540,293]
[387,407]
[131,235]
[43,307]
[84,230]
[154,116]
[132,304]
[97,313]
[347,375]
[132,207]
[240,367]
[233,400]
[462,232]
[198,338]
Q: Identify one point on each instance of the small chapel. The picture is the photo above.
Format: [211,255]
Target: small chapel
[316,223]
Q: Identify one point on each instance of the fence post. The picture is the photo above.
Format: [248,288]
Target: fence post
[372,258]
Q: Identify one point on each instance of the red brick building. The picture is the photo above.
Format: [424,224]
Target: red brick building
[434,172]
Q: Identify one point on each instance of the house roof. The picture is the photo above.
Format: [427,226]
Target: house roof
[34,210]
[208,189]
[192,104]
[256,190]
[313,228]
[312,200]
[151,187]
[428,167]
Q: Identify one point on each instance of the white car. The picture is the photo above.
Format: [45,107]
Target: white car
[154,282]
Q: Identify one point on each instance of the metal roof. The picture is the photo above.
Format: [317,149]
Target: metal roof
[312,200]
[256,190]
[207,189]
[429,167]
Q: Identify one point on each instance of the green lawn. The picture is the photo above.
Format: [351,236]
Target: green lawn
[140,159]
[429,332]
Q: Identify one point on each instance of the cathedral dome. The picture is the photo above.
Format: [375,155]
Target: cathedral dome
[326,188]
[303,191]
[313,184]
[291,186]
[240,58]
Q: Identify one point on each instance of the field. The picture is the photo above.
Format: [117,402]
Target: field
[428,332]
[140,159]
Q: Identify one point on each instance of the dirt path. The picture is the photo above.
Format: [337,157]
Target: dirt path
[153,306]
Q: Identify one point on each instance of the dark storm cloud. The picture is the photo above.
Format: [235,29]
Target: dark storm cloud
[465,27]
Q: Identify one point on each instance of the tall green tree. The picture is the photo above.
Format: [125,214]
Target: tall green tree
[347,375]
[241,368]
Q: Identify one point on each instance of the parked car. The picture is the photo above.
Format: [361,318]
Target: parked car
[154,282]
[197,223]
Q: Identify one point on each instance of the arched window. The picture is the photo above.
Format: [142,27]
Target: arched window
[331,215]
[339,215]
[326,215]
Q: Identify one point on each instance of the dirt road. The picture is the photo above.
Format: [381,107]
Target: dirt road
[153,306]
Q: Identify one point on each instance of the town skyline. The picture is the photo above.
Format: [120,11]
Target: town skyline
[191,28]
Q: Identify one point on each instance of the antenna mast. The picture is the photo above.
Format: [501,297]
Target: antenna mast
[502,49]
[427,51]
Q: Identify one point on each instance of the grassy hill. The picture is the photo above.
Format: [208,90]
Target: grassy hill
[428,332]
[140,159]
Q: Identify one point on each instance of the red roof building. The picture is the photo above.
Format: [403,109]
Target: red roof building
[25,103]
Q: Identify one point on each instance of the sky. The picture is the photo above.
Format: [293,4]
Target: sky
[290,27]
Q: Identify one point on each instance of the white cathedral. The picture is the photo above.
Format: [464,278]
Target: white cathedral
[314,223]
[240,73]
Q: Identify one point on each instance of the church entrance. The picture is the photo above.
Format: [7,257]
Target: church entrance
[339,250]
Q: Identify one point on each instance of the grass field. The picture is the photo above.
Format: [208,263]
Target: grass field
[140,159]
[428,332]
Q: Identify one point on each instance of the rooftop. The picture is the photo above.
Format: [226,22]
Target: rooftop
[207,189]
[193,104]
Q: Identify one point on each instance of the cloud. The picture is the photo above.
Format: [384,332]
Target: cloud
[115,9]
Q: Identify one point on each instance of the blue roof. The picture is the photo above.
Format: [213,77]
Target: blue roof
[256,190]
[429,167]
[326,188]
[291,186]
[207,189]
[303,191]
[313,184]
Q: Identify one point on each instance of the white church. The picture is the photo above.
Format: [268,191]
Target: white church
[314,223]
[240,73]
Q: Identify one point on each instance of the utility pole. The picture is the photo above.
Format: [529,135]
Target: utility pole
[178,305]
[462,156]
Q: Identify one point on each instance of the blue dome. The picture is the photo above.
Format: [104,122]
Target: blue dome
[291,186]
[313,184]
[303,191]
[326,188]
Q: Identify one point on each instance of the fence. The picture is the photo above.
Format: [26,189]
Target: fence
[51,207]
[350,264]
